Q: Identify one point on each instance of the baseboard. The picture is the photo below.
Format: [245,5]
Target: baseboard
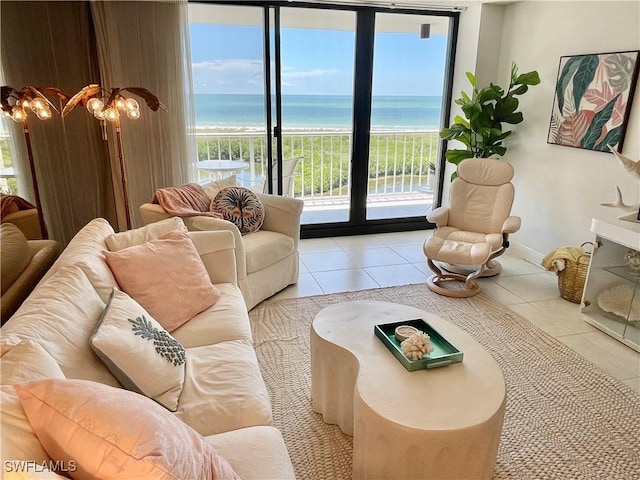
[518,250]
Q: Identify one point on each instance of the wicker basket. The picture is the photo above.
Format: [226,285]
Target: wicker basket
[571,279]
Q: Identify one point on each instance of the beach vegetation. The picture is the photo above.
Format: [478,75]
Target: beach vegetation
[325,165]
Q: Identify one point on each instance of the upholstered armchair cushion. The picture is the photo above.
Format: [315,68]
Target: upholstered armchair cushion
[451,233]
[15,254]
[27,221]
[23,263]
[266,248]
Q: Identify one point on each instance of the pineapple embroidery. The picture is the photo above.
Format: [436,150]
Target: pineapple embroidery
[165,345]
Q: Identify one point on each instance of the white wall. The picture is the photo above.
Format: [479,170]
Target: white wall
[479,34]
[559,189]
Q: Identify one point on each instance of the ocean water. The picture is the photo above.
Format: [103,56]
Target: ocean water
[317,111]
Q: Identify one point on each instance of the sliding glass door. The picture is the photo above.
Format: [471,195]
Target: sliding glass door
[338,106]
[317,61]
[408,78]
[228,67]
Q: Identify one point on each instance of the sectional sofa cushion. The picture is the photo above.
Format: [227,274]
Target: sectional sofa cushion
[269,459]
[166,276]
[23,362]
[223,389]
[226,320]
[61,315]
[85,249]
[114,433]
[24,444]
[141,354]
[28,361]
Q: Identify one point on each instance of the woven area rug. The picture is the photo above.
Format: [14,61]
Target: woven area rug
[565,418]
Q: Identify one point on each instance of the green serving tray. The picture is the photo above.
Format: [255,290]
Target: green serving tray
[444,353]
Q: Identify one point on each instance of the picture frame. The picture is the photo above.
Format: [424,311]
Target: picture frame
[592,100]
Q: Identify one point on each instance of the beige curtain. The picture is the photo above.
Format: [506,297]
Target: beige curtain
[145,44]
[50,44]
[116,44]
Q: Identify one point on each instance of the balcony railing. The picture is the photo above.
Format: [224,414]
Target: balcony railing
[399,161]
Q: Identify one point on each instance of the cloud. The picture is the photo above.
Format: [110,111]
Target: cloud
[292,73]
[243,75]
[234,65]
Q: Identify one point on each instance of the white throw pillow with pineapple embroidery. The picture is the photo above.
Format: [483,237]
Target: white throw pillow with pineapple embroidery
[139,352]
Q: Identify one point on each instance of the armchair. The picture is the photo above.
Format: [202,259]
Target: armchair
[474,229]
[288,174]
[267,260]
[23,263]
[23,215]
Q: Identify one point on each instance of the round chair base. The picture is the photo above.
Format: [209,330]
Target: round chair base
[437,284]
[492,268]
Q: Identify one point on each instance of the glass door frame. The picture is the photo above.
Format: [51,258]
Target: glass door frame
[362,97]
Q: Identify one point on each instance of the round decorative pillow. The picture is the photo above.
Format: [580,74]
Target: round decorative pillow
[240,206]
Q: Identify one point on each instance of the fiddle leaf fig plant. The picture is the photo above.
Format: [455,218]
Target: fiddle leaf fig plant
[485,111]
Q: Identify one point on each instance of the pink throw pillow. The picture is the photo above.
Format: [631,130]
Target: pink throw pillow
[108,432]
[166,276]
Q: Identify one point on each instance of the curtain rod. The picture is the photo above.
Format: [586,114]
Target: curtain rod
[384,4]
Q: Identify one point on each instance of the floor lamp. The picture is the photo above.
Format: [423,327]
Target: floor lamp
[106,105]
[16,104]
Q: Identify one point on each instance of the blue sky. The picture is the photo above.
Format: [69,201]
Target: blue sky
[228,59]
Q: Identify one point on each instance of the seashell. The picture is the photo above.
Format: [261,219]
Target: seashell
[403,332]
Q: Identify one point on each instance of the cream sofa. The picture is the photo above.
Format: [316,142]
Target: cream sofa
[267,260]
[224,396]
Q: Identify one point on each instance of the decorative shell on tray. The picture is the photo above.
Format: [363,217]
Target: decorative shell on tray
[416,346]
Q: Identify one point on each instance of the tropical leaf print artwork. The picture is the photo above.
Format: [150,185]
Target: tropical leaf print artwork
[592,100]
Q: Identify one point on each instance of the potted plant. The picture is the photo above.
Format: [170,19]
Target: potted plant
[485,111]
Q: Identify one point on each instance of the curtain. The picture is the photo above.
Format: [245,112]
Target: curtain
[69,45]
[50,44]
[146,44]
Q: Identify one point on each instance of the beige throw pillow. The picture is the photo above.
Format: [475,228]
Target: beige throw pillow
[139,352]
[166,277]
[129,238]
[211,189]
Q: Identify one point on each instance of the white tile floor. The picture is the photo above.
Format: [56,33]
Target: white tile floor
[337,264]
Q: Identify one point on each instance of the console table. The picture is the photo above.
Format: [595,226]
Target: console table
[441,423]
[611,299]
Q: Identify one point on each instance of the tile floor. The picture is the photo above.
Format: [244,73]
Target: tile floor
[330,265]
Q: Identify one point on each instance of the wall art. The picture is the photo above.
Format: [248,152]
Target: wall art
[592,100]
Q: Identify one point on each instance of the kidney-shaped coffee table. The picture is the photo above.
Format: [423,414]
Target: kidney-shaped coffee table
[439,423]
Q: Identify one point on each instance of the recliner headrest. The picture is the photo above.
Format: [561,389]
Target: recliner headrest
[485,171]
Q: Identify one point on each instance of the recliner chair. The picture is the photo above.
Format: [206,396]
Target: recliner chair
[474,229]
